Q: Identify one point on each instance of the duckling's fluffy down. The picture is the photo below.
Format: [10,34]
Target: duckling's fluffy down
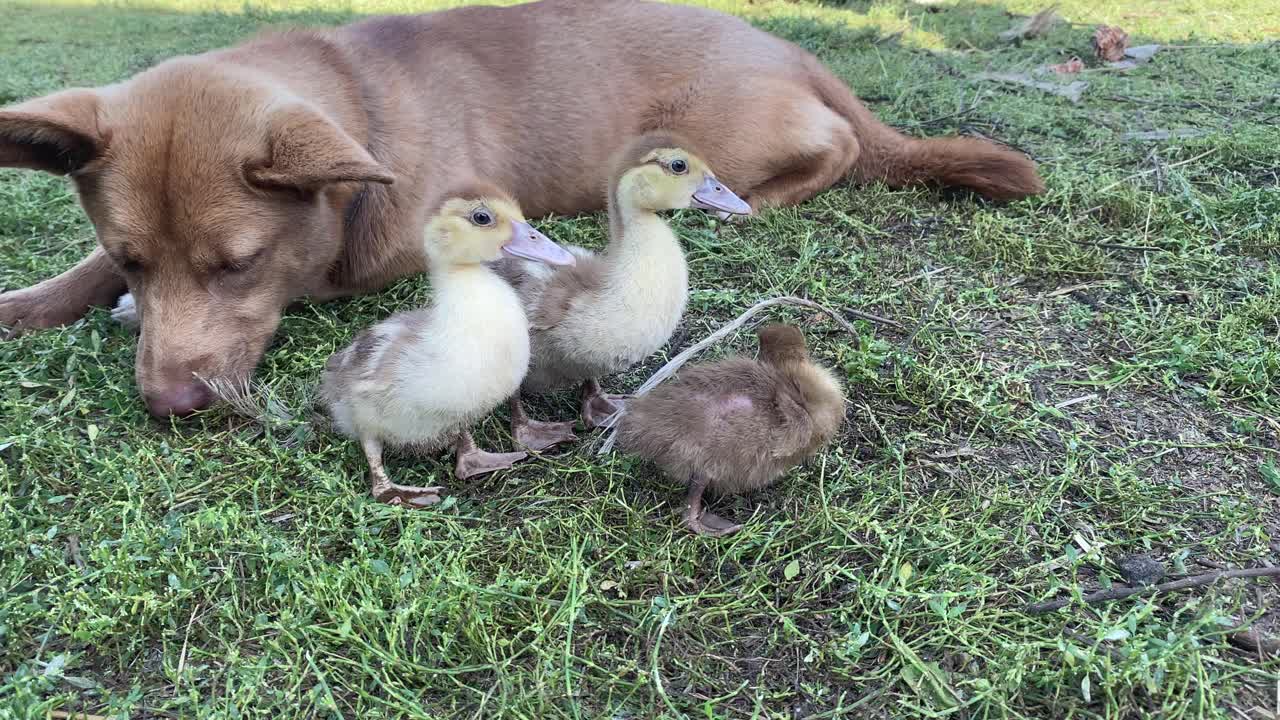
[737,423]
[417,378]
[550,294]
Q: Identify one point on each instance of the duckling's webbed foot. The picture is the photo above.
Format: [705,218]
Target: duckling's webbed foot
[598,406]
[473,461]
[392,493]
[536,434]
[411,496]
[700,521]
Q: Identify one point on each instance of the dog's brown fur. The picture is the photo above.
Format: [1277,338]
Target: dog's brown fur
[224,185]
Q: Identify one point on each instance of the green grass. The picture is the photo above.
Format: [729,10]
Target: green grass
[214,569]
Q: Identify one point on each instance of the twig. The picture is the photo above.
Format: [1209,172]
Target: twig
[869,317]
[1120,593]
[611,423]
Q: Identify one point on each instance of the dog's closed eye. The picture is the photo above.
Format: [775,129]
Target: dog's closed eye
[235,267]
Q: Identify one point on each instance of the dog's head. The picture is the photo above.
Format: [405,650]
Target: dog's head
[219,197]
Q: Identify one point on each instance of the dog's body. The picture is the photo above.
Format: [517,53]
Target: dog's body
[225,185]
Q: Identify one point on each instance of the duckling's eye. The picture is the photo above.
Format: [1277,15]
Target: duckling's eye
[678,166]
[482,218]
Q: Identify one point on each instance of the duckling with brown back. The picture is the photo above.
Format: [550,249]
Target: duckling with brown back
[736,425]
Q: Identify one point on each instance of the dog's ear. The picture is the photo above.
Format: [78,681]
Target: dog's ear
[56,133]
[307,151]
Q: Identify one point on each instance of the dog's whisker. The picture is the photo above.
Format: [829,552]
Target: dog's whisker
[255,402]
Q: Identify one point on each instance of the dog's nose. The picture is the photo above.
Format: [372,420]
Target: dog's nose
[179,399]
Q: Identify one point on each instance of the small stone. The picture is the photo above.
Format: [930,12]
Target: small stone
[1140,569]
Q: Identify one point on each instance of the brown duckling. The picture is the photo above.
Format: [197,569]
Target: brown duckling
[738,424]
[421,378]
[614,309]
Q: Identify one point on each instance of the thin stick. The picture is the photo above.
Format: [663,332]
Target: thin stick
[1119,593]
[666,371]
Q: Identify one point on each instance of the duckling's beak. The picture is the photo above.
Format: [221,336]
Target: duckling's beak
[713,195]
[530,244]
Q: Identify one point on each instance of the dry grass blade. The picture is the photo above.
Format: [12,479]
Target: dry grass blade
[678,361]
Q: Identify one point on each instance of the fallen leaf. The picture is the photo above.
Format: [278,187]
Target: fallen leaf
[1034,26]
[791,570]
[1070,67]
[1071,92]
[1110,42]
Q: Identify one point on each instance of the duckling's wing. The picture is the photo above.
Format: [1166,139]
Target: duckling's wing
[564,287]
[362,357]
[796,431]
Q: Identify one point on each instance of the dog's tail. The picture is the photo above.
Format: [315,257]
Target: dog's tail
[886,154]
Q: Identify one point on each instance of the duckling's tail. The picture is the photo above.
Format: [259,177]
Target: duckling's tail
[992,170]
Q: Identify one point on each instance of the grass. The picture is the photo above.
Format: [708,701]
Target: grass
[1085,374]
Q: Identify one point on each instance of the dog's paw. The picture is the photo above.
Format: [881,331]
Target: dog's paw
[126,312]
[34,309]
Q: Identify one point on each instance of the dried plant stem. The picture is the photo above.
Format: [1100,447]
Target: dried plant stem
[672,366]
[1119,593]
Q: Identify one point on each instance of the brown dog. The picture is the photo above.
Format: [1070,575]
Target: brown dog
[224,185]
